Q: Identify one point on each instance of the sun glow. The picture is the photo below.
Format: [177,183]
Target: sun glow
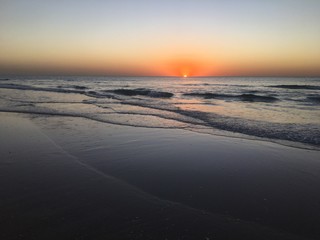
[186,67]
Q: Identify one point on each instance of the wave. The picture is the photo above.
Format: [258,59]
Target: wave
[183,119]
[189,119]
[141,92]
[73,86]
[242,97]
[31,88]
[315,99]
[101,94]
[116,120]
[215,84]
[309,100]
[307,134]
[257,98]
[305,87]
[208,95]
[104,94]
[299,133]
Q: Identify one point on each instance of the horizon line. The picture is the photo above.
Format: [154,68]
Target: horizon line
[153,76]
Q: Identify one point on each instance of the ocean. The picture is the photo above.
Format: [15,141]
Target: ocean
[282,110]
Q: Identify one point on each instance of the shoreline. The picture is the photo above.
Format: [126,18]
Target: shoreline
[38,175]
[216,132]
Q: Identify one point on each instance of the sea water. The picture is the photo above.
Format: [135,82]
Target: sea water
[283,110]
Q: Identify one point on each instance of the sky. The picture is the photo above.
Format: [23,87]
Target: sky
[160,38]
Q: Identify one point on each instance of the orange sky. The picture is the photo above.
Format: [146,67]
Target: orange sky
[161,38]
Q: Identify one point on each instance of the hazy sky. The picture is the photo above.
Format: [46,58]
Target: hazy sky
[167,37]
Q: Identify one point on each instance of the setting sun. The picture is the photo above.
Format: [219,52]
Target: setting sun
[185,75]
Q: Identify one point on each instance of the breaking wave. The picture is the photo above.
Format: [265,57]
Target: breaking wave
[305,87]
[33,88]
[315,99]
[73,86]
[243,97]
[141,92]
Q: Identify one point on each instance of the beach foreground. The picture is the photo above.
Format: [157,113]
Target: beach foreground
[74,178]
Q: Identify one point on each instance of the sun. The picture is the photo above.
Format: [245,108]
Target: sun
[185,75]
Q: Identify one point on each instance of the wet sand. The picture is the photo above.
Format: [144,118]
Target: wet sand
[72,178]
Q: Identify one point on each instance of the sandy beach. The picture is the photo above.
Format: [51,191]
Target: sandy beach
[73,178]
